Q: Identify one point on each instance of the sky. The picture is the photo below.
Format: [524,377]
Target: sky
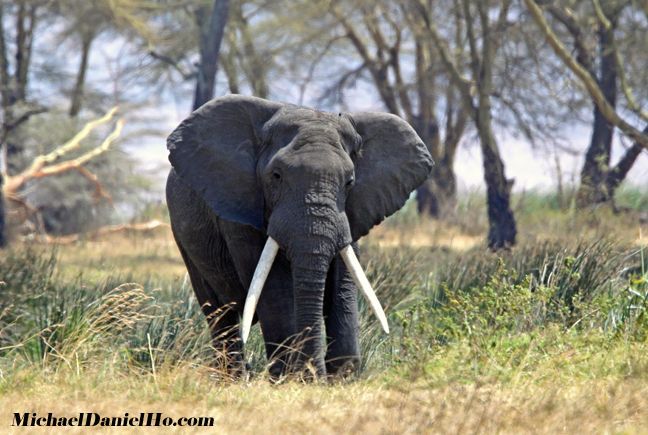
[531,169]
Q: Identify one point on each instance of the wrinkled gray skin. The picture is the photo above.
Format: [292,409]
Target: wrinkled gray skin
[245,168]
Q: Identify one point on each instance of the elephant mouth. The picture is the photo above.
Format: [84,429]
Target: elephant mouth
[263,269]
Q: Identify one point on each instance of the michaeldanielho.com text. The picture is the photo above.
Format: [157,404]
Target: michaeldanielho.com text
[144,419]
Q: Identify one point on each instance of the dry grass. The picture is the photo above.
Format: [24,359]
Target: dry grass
[425,234]
[542,381]
[133,255]
[368,407]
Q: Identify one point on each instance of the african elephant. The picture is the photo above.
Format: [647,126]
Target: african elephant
[295,187]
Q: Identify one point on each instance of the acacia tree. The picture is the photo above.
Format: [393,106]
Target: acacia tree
[218,34]
[387,45]
[242,59]
[484,35]
[602,72]
[84,22]
[211,25]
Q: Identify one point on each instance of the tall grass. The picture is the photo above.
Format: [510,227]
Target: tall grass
[442,299]
[437,300]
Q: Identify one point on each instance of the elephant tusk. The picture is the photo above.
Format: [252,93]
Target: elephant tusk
[362,282]
[258,280]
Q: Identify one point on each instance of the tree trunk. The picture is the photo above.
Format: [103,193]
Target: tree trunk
[593,186]
[502,228]
[13,89]
[77,93]
[437,197]
[211,35]
[616,176]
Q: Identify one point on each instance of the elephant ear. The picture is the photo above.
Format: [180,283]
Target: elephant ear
[391,163]
[215,151]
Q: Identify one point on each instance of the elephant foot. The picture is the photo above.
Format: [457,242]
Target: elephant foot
[342,368]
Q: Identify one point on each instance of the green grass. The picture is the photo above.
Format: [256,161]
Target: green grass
[435,300]
[480,340]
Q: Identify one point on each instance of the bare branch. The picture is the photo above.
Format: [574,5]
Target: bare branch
[313,66]
[566,17]
[99,192]
[186,75]
[462,83]
[585,77]
[377,68]
[9,126]
[43,166]
[107,230]
[619,172]
[84,158]
[623,82]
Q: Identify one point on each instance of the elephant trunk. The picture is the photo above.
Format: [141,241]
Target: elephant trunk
[310,243]
[309,272]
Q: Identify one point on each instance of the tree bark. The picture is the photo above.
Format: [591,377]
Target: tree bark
[211,36]
[437,197]
[77,93]
[593,186]
[502,230]
[616,176]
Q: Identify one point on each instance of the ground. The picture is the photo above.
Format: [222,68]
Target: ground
[548,337]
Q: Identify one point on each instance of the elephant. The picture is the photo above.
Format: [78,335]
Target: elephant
[271,196]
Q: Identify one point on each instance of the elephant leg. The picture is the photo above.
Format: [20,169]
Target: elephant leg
[341,319]
[222,320]
[275,310]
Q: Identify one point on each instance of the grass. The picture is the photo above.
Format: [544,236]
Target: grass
[549,336]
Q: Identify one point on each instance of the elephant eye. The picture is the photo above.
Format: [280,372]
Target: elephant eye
[276,175]
[351,182]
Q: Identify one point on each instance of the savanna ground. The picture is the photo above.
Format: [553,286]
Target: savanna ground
[551,336]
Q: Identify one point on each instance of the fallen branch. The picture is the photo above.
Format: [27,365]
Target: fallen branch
[107,230]
[44,166]
[99,192]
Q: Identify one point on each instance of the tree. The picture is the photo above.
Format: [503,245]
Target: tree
[50,164]
[211,27]
[13,86]
[383,41]
[84,22]
[27,111]
[242,59]
[484,36]
[599,179]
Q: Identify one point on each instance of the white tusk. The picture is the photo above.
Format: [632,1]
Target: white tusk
[258,280]
[362,282]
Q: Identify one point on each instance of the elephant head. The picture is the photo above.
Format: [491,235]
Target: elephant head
[313,182]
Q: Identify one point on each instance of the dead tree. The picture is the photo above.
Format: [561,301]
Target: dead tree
[51,164]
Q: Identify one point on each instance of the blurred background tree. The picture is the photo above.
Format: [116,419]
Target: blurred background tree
[608,40]
[461,72]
